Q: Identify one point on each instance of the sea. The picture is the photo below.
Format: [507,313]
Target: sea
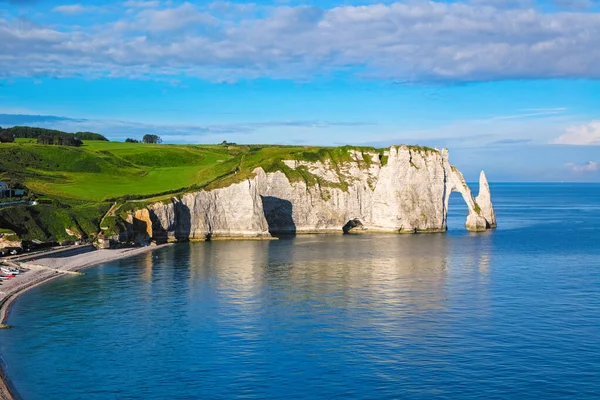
[512,313]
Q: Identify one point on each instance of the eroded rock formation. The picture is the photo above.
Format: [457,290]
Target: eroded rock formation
[406,189]
[484,200]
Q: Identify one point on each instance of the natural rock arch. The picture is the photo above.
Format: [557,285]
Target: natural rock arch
[480,216]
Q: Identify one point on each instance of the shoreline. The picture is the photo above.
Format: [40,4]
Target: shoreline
[46,269]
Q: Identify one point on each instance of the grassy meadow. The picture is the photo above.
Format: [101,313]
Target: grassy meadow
[104,171]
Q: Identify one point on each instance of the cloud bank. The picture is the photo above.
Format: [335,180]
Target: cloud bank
[586,134]
[73,9]
[589,166]
[417,41]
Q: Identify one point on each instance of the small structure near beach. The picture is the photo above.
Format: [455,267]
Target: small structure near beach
[7,192]
[102,242]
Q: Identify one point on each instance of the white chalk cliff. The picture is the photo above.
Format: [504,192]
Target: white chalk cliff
[408,191]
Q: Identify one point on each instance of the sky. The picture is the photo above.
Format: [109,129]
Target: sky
[509,86]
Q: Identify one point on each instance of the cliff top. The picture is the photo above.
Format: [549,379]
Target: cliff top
[79,185]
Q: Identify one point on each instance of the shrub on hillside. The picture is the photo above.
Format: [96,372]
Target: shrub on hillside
[6,137]
[152,139]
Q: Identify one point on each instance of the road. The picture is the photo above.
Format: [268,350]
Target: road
[16,203]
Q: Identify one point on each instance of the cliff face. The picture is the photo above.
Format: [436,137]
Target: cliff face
[406,190]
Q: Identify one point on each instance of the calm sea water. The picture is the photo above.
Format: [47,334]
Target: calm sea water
[513,313]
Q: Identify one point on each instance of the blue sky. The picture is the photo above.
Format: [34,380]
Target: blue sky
[511,87]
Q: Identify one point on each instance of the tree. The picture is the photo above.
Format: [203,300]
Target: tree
[130,140]
[6,136]
[152,139]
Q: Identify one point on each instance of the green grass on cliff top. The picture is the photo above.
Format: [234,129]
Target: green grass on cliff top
[102,171]
[106,171]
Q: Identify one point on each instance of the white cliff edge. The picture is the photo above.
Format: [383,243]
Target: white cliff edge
[408,192]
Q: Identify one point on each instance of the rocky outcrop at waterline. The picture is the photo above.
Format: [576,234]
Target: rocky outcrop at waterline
[484,201]
[405,189]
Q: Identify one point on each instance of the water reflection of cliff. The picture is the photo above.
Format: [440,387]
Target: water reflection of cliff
[395,285]
[389,272]
[384,271]
[166,271]
[396,273]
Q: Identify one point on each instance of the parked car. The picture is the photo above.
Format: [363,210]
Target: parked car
[10,251]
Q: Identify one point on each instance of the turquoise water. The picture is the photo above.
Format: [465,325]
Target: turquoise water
[513,313]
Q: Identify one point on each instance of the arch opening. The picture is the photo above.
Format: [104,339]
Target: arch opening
[352,226]
[457,212]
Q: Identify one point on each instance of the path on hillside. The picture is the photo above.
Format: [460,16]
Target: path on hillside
[17,203]
[109,213]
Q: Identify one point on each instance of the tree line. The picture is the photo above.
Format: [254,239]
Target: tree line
[65,139]
[29,132]
[47,136]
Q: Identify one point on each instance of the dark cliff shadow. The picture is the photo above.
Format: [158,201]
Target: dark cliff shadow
[183,222]
[352,225]
[139,232]
[159,234]
[278,213]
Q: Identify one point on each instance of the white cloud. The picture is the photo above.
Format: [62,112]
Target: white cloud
[233,8]
[589,166]
[505,3]
[532,112]
[141,4]
[587,134]
[413,41]
[74,9]
[167,19]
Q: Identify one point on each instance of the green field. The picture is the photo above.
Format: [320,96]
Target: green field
[101,171]
[79,184]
